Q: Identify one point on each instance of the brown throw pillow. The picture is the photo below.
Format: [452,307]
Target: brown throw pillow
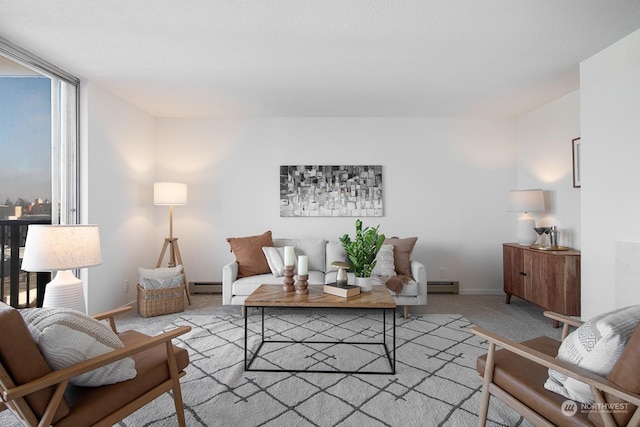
[402,249]
[626,374]
[249,256]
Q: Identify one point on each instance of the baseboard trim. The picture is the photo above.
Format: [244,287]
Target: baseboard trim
[481,292]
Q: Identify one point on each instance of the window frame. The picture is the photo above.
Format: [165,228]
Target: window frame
[65,132]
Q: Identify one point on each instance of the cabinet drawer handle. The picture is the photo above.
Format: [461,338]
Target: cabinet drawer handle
[522,273]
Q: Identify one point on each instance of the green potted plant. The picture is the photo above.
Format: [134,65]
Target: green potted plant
[362,252]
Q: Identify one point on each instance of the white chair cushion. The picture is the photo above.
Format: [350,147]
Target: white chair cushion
[246,285]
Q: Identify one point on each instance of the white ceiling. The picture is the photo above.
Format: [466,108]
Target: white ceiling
[337,58]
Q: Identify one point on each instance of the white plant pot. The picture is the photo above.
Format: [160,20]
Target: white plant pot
[364,283]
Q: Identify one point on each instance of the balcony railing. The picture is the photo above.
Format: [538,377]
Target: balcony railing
[19,288]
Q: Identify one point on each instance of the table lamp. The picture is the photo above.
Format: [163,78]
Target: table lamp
[61,249]
[526,201]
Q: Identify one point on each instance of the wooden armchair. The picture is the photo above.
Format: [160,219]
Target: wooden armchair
[516,374]
[39,396]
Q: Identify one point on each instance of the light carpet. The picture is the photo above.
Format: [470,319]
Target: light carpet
[435,382]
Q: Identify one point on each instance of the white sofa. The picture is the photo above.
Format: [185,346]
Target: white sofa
[321,253]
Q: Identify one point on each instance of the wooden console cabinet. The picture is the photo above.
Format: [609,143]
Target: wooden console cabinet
[549,279]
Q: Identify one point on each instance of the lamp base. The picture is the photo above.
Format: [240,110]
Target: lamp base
[65,290]
[525,234]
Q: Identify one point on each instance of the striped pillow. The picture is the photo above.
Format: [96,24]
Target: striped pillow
[66,337]
[595,346]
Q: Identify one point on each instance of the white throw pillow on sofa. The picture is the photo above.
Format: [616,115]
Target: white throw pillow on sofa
[385,265]
[595,346]
[275,259]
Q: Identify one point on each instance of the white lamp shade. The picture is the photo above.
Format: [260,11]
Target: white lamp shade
[526,201]
[169,193]
[61,247]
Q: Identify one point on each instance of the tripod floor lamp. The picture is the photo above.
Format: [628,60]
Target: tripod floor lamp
[171,194]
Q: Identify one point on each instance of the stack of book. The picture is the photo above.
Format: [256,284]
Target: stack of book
[342,291]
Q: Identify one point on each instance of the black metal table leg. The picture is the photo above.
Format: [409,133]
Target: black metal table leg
[245,338]
[391,358]
[394,344]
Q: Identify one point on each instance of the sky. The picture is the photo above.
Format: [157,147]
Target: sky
[25,138]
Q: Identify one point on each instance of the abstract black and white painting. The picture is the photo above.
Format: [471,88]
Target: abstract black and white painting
[353,190]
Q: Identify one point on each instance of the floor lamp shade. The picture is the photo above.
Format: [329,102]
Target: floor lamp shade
[62,248]
[169,193]
[526,201]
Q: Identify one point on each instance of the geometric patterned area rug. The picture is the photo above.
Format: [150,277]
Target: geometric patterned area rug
[435,383]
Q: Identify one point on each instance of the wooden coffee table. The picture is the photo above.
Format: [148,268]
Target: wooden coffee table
[267,296]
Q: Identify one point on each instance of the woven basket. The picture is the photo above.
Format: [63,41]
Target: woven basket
[154,302]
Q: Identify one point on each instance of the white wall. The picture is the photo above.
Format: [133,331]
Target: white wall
[610,128]
[445,181]
[545,162]
[119,159]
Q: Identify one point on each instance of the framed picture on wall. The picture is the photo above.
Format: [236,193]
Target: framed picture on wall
[576,162]
[330,190]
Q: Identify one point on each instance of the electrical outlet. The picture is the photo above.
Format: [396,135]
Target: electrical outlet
[443,273]
[126,286]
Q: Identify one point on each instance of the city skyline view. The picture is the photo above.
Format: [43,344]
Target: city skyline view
[25,138]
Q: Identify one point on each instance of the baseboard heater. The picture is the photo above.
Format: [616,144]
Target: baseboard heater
[443,287]
[205,287]
[216,287]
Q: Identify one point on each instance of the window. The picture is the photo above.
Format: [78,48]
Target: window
[38,168]
[63,130]
[25,143]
